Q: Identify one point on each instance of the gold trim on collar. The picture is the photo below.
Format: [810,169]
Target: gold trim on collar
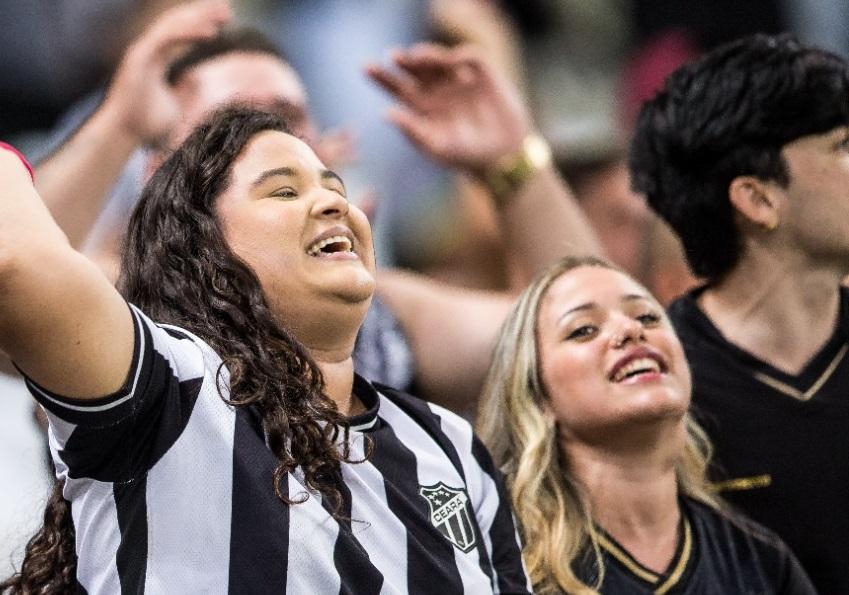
[678,572]
[626,559]
[647,575]
[743,483]
[794,392]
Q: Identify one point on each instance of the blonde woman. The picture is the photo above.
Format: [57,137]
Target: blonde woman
[585,410]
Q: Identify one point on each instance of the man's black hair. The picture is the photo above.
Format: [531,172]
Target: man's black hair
[726,115]
[228,41]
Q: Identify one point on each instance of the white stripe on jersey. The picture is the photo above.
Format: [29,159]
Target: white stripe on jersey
[478,484]
[95,518]
[385,538]
[57,436]
[311,530]
[183,493]
[96,522]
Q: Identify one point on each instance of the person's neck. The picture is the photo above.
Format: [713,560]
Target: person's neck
[333,357]
[780,307]
[633,494]
[329,335]
[338,373]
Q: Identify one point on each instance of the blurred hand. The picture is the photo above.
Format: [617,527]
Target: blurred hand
[336,147]
[454,106]
[139,96]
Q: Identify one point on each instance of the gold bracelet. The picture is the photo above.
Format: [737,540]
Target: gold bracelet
[511,172]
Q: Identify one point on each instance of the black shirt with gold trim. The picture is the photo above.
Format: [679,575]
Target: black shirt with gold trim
[714,556]
[781,442]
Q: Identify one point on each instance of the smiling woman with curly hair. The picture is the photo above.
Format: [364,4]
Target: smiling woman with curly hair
[206,424]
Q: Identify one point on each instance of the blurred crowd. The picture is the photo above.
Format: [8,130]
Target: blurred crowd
[453,256]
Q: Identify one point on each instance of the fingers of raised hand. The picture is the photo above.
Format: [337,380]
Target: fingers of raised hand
[425,65]
[425,90]
[183,24]
[426,60]
[398,84]
[337,147]
[419,131]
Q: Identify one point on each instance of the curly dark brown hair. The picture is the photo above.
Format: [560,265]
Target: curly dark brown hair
[50,562]
[177,268]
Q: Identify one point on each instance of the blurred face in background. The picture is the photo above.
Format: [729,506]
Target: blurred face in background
[618,215]
[257,79]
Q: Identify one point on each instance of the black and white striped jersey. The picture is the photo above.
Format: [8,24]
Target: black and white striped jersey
[171,491]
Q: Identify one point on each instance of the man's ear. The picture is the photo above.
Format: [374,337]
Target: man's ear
[758,202]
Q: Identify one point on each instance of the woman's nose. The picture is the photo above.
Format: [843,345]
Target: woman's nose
[626,330]
[330,203]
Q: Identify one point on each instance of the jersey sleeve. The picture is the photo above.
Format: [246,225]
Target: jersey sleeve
[491,503]
[780,570]
[791,577]
[120,436]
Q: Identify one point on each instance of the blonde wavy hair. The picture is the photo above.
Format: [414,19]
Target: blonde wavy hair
[553,512]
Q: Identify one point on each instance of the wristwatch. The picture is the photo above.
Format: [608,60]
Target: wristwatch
[511,172]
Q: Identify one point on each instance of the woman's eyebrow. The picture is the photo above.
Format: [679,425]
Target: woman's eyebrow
[327,174]
[581,308]
[270,173]
[631,297]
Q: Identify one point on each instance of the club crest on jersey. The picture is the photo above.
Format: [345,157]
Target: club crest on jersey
[449,513]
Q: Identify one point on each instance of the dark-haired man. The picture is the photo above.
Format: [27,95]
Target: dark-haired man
[745,153]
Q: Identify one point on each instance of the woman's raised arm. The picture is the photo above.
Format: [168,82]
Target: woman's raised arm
[61,321]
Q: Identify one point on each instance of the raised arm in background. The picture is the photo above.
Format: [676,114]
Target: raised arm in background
[61,320]
[139,110]
[460,111]
[457,109]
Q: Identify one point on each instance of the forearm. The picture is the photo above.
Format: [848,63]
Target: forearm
[74,181]
[541,221]
[452,332]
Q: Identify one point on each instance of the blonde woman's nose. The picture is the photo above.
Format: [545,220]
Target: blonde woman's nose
[626,330]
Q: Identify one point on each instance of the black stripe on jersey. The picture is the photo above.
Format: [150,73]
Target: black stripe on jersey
[430,556]
[432,424]
[131,557]
[257,516]
[429,421]
[356,572]
[131,447]
[175,332]
[370,400]
[506,553]
[111,408]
